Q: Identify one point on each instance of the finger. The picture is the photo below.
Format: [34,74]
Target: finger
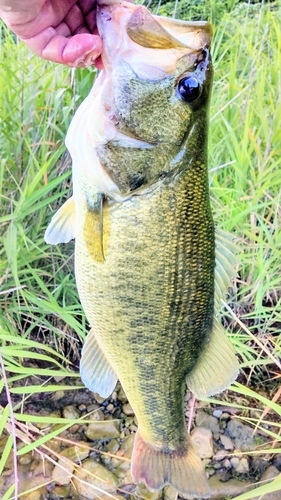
[78,50]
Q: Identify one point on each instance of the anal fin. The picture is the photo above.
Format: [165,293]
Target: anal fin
[217,366]
[95,370]
[62,226]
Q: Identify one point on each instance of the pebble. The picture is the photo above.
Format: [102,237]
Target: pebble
[63,471]
[220,455]
[122,396]
[203,419]
[62,491]
[202,440]
[114,396]
[270,473]
[71,412]
[105,429]
[112,446]
[217,413]
[226,463]
[243,466]
[97,415]
[226,442]
[234,462]
[99,479]
[99,399]
[143,492]
[231,488]
[128,410]
[242,434]
[110,407]
[44,425]
[92,407]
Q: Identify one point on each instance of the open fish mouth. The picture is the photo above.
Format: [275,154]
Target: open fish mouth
[127,29]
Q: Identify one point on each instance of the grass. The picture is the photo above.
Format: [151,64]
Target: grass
[42,325]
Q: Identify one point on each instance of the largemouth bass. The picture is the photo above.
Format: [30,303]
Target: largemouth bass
[147,271]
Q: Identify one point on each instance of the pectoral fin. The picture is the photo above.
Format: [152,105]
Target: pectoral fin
[93,227]
[62,226]
[95,370]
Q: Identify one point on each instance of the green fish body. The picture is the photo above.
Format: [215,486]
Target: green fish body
[149,267]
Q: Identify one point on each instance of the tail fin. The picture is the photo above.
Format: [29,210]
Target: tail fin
[183,471]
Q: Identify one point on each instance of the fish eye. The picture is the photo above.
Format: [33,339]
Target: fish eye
[189,88]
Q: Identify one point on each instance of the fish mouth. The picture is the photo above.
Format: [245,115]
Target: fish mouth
[125,27]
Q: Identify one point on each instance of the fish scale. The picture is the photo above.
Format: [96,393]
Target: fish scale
[149,264]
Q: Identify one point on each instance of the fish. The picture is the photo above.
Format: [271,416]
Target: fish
[150,265]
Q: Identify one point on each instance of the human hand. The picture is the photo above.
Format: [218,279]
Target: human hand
[62,31]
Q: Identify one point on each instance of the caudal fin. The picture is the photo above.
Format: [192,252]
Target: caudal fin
[183,470]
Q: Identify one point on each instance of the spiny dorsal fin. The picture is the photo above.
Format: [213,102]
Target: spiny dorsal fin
[95,370]
[62,226]
[144,30]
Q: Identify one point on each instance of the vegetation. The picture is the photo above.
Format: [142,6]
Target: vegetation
[42,325]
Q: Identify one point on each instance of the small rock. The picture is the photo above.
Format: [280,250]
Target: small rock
[243,466]
[242,434]
[25,459]
[110,407]
[143,492]
[99,399]
[63,471]
[224,416]
[62,491]
[114,396]
[231,488]
[122,396]
[234,462]
[220,455]
[105,429]
[202,440]
[38,494]
[226,463]
[112,446]
[127,446]
[128,410]
[203,419]
[226,442]
[45,425]
[270,473]
[82,407]
[98,477]
[211,471]
[217,413]
[71,412]
[97,415]
[92,407]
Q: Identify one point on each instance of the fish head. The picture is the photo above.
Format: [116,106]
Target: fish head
[153,91]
